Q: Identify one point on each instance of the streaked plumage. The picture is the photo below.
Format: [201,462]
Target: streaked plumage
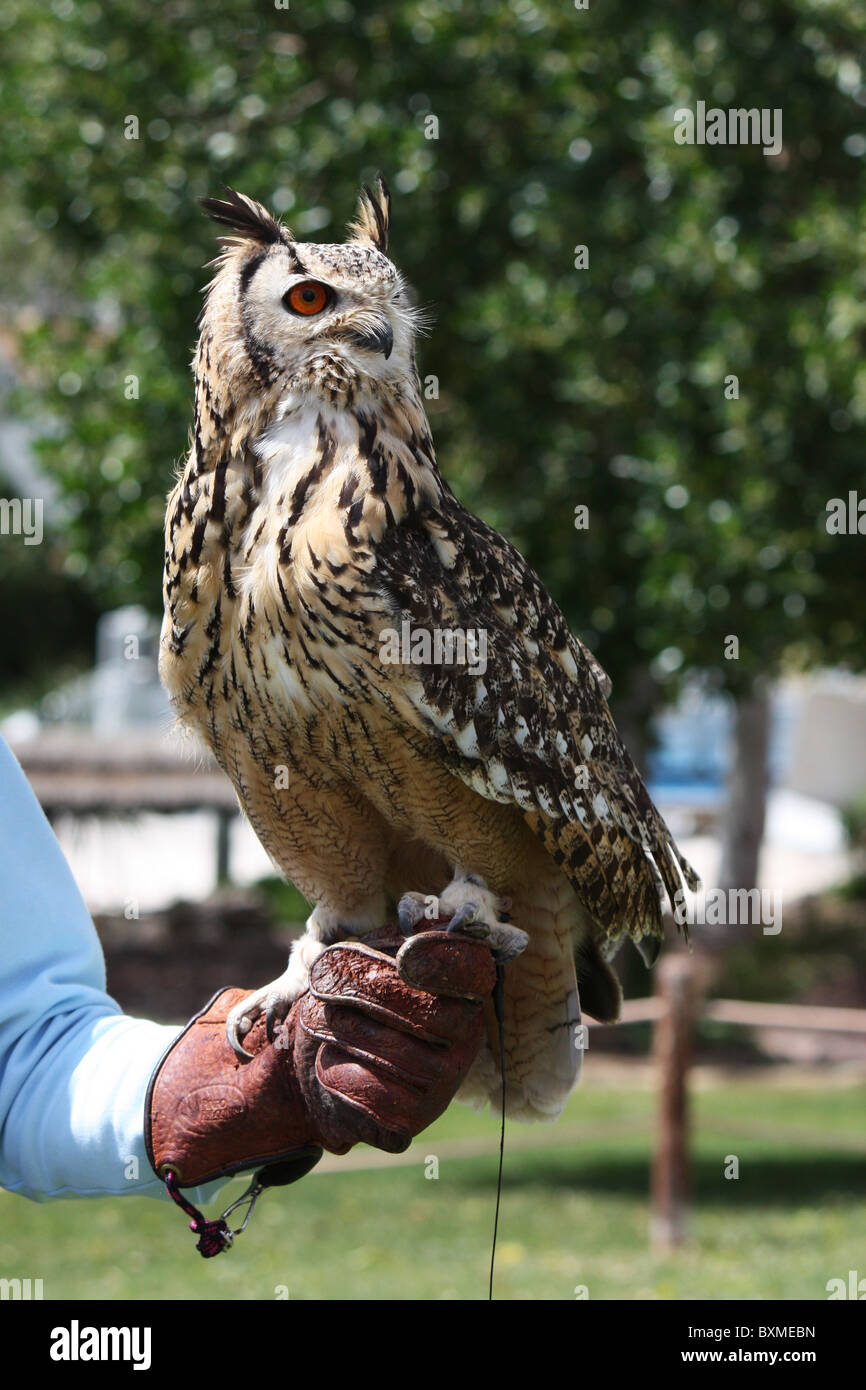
[311,518]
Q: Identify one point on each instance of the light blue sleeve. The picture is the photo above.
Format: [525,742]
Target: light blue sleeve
[73,1068]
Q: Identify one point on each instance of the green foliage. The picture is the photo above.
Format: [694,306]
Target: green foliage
[47,618]
[557,387]
[818,958]
[286,902]
[854,823]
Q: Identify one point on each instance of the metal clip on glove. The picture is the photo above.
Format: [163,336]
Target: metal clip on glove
[372,1053]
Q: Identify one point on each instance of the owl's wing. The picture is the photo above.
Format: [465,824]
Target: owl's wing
[524,719]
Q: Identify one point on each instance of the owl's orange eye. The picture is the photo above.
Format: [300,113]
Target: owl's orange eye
[309,297]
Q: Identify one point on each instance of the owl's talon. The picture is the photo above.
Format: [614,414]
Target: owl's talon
[273,1016]
[411,909]
[480,917]
[236,1029]
[510,942]
[273,1001]
[467,920]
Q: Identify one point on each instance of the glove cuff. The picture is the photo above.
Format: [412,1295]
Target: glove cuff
[204,1107]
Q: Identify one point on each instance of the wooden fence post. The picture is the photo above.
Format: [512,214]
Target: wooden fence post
[677,987]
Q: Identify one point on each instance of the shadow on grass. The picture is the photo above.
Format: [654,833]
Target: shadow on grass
[764,1180]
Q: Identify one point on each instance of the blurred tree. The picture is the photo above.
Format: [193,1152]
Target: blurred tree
[47,618]
[513,134]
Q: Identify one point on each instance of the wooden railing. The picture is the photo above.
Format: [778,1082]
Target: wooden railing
[674,1010]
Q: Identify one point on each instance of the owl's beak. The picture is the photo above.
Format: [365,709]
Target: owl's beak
[378,339]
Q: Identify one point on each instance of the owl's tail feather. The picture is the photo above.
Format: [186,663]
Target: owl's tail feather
[599,989]
[543,1037]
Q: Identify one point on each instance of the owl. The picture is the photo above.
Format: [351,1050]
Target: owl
[401,707]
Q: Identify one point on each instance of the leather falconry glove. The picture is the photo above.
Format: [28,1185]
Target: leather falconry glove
[373,1052]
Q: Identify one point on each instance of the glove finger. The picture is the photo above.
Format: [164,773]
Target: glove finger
[374,1109]
[350,973]
[378,1108]
[411,1061]
[440,963]
[405,1011]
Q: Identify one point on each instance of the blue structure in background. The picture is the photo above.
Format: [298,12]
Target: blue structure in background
[690,761]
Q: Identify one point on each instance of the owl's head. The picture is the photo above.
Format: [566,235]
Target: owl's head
[310,318]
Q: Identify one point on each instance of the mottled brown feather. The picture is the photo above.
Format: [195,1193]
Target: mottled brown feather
[311,517]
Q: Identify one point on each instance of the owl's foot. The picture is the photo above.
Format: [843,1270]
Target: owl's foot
[273,1000]
[414,909]
[473,910]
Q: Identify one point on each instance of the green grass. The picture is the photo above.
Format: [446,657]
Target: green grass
[574,1212]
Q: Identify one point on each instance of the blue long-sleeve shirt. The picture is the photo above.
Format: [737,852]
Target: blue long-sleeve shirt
[73,1067]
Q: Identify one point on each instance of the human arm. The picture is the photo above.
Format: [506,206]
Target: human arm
[74,1068]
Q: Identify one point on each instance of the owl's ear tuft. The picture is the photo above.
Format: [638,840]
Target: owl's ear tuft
[246,218]
[373,218]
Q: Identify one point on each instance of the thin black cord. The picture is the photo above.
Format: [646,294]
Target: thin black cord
[498,1009]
